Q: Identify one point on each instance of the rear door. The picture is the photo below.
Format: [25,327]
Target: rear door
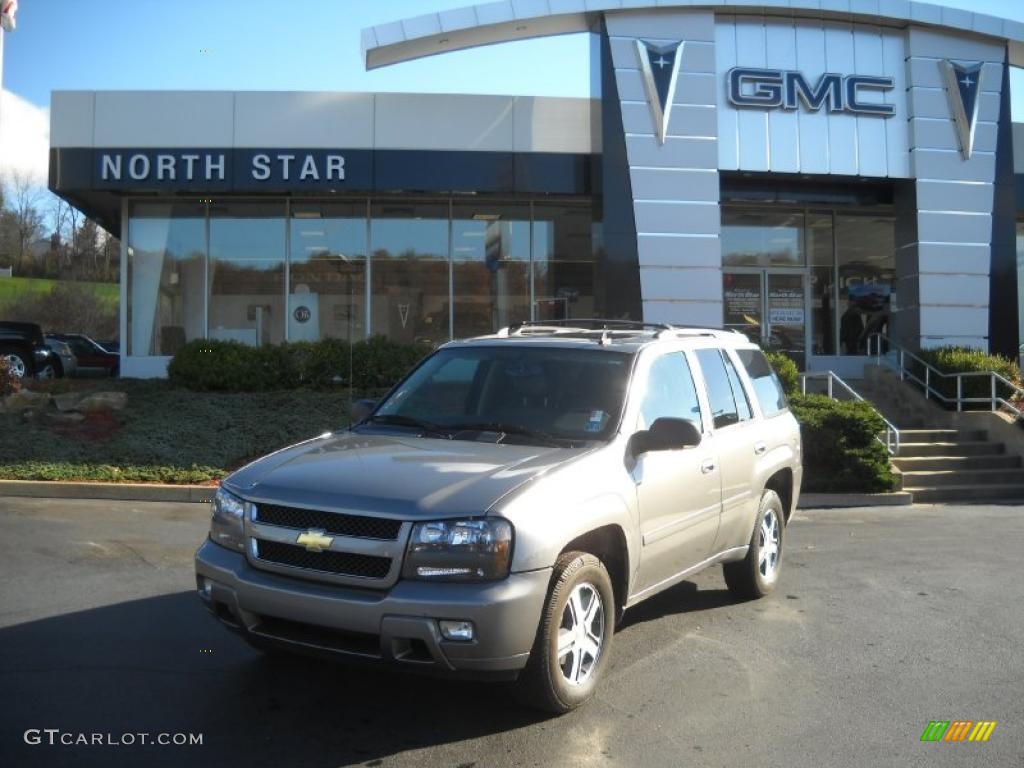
[735,442]
[678,492]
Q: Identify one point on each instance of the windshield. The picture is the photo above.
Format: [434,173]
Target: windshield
[530,394]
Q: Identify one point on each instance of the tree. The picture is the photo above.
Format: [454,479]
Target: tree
[24,199]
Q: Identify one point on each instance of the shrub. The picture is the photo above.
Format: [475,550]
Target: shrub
[841,454]
[229,366]
[786,370]
[963,359]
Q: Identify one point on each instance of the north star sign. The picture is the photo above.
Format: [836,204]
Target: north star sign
[216,168]
[782,89]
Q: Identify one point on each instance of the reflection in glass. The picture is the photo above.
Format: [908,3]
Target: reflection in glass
[742,304]
[762,239]
[865,254]
[409,243]
[327,272]
[247,254]
[566,249]
[491,267]
[166,277]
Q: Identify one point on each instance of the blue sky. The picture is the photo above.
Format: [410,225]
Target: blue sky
[266,45]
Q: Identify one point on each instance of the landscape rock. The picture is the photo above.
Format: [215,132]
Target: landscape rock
[103,401]
[65,418]
[25,401]
[68,401]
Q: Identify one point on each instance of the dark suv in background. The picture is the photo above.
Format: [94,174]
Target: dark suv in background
[26,352]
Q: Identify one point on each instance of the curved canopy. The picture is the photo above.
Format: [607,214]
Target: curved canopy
[500,22]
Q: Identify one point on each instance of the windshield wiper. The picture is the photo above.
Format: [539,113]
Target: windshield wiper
[408,421]
[507,429]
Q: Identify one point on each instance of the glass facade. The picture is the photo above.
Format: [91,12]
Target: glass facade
[808,281]
[266,271]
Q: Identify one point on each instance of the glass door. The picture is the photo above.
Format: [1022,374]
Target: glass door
[769,306]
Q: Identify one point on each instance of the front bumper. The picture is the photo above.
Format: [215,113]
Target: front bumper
[399,624]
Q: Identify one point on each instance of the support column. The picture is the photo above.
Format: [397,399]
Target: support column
[675,186]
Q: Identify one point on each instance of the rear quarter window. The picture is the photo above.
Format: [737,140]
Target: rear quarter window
[767,387]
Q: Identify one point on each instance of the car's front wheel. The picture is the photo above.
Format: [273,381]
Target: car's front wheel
[574,636]
[758,573]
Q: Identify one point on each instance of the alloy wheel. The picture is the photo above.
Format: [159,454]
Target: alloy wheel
[581,634]
[771,544]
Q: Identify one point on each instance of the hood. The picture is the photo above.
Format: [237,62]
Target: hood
[397,476]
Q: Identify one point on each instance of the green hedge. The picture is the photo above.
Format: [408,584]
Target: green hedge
[786,370]
[961,360]
[841,454]
[230,366]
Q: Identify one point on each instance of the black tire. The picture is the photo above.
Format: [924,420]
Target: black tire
[543,684]
[26,360]
[750,578]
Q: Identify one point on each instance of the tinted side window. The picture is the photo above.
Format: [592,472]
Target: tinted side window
[723,405]
[767,386]
[671,392]
[738,393]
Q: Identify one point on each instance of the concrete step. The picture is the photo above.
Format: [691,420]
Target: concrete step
[961,448]
[947,477]
[960,463]
[1000,492]
[925,435]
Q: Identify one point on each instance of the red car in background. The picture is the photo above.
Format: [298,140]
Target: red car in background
[92,358]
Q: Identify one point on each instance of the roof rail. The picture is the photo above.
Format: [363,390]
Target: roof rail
[579,323]
[607,327]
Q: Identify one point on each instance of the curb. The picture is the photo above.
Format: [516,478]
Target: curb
[46,489]
[838,500]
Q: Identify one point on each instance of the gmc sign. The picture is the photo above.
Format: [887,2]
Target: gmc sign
[781,89]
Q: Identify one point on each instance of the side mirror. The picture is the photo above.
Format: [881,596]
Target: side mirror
[361,409]
[665,434]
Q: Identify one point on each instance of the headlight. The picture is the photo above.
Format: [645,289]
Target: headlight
[459,550]
[226,521]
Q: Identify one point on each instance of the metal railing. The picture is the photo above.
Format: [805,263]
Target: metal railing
[892,433]
[897,357]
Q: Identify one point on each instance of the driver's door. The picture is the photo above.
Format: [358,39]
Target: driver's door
[679,492]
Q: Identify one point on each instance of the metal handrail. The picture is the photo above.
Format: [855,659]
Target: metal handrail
[931,373]
[892,432]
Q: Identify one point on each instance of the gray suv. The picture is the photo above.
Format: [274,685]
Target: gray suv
[496,513]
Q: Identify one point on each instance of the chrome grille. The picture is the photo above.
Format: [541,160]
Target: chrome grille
[337,523]
[340,563]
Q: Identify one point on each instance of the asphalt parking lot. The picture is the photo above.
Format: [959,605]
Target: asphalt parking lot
[886,619]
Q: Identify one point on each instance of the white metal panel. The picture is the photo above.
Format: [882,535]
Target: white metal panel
[783,125]
[897,127]
[706,313]
[842,128]
[753,123]
[415,121]
[303,119]
[871,131]
[71,118]
[166,119]
[728,118]
[675,284]
[674,184]
[680,250]
[813,126]
[664,217]
[543,124]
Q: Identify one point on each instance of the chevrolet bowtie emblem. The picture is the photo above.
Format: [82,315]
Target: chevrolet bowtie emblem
[314,540]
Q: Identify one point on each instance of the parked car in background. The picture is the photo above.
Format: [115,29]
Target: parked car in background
[92,358]
[24,348]
[65,363]
[111,345]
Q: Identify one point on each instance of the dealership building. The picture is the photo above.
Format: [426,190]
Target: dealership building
[807,171]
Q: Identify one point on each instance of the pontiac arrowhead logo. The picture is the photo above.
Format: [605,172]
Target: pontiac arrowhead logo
[314,540]
[660,67]
[963,89]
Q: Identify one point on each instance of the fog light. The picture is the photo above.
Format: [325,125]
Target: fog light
[205,588]
[457,630]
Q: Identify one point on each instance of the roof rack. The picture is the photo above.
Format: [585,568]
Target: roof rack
[608,328]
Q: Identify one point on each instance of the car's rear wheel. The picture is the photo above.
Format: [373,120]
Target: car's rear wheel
[574,637]
[46,372]
[758,573]
[17,363]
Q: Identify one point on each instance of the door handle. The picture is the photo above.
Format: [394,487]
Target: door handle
[760,448]
[707,466]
